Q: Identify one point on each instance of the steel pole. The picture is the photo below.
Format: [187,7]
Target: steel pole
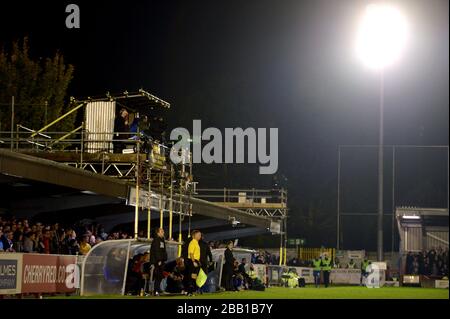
[12,122]
[380,173]
[393,199]
[338,222]
[149,211]
[136,208]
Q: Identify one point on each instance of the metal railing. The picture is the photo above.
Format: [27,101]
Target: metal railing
[84,149]
[77,140]
[243,196]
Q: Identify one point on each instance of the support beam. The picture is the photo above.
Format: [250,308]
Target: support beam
[235,233]
[42,170]
[37,169]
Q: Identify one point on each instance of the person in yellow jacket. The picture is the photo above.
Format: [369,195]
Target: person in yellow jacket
[285,277]
[84,246]
[252,273]
[317,267]
[364,270]
[326,269]
[293,278]
[193,262]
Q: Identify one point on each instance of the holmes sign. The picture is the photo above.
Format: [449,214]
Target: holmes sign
[10,273]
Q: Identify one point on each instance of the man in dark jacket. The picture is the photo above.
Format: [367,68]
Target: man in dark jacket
[121,125]
[205,254]
[158,256]
[228,267]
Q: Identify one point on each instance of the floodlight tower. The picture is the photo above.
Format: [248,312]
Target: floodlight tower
[381,37]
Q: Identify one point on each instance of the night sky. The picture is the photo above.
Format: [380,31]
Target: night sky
[285,64]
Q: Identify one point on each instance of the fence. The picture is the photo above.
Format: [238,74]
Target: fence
[312,253]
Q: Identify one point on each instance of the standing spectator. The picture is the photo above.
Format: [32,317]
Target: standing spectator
[415,266]
[1,241]
[432,262]
[18,238]
[7,241]
[102,234]
[72,244]
[46,241]
[158,256]
[91,238]
[364,264]
[121,125]
[28,242]
[55,239]
[317,262]
[206,257]
[228,267]
[409,261]
[326,268]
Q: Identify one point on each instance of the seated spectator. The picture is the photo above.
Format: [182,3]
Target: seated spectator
[238,279]
[243,272]
[145,273]
[293,278]
[134,275]
[85,246]
[242,266]
[254,282]
[177,278]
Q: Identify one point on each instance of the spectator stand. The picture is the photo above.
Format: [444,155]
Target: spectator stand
[423,244]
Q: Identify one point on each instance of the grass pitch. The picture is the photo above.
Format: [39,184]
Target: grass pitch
[307,293]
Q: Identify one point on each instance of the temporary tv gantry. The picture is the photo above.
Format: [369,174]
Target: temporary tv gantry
[157,184]
[166,187]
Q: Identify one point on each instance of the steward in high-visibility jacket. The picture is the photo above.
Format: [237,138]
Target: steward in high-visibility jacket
[293,279]
[364,265]
[251,274]
[364,272]
[317,267]
[285,277]
[326,268]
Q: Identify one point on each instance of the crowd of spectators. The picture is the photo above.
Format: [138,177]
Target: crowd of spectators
[263,257]
[21,235]
[433,262]
[266,258]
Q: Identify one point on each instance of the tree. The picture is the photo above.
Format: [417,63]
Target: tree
[39,87]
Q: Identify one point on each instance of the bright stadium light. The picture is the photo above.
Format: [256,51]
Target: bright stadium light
[381,36]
